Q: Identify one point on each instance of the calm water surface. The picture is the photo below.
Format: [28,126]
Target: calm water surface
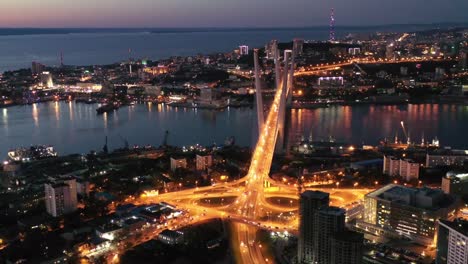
[75,128]
[105,48]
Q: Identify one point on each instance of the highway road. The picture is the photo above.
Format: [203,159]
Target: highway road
[248,203]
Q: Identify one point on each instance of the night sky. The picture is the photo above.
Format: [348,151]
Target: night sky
[225,13]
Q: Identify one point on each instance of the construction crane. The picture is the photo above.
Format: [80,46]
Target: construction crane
[404,131]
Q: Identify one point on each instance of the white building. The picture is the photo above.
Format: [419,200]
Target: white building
[204,162]
[405,168]
[409,169]
[452,242]
[244,50]
[61,198]
[178,163]
[391,166]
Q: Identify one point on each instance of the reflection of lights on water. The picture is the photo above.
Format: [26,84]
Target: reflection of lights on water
[104,116]
[35,114]
[70,110]
[56,108]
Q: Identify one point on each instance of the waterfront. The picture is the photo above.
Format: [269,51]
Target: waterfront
[105,48]
[75,128]
[93,46]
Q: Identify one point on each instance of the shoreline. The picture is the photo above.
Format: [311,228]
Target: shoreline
[306,105]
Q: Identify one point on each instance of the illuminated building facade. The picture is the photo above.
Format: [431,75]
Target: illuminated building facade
[452,242]
[171,237]
[178,163]
[204,162]
[155,71]
[408,212]
[243,50]
[455,183]
[354,51]
[330,81]
[390,51]
[46,80]
[61,197]
[405,168]
[450,159]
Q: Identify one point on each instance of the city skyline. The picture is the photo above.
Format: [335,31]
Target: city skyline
[218,131]
[242,13]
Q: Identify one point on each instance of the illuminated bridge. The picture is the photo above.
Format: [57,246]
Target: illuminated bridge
[255,201]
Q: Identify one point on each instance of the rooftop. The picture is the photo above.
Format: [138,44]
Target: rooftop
[425,198]
[332,210]
[315,195]
[458,225]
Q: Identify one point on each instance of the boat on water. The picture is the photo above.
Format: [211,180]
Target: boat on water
[110,107]
[32,153]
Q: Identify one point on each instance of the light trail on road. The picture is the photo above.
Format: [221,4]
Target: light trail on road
[248,207]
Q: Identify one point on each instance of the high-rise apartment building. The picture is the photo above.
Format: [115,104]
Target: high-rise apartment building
[298,46]
[271,48]
[61,197]
[329,220]
[322,232]
[37,68]
[405,168]
[452,242]
[347,247]
[310,204]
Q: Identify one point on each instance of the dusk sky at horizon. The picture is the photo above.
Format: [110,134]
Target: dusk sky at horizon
[226,13]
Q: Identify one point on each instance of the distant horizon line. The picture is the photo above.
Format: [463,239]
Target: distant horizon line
[247,27]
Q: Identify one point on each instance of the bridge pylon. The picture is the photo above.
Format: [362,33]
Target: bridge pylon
[279,148]
[258,93]
[291,79]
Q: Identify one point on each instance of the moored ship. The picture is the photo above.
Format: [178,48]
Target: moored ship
[32,153]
